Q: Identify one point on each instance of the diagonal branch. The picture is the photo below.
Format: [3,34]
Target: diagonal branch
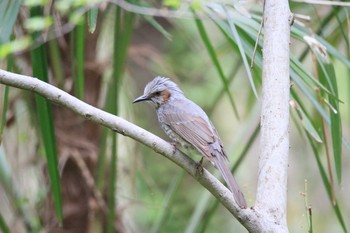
[128,129]
[253,219]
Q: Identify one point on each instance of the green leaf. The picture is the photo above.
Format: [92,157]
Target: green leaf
[158,26]
[242,52]
[124,22]
[299,33]
[327,185]
[3,226]
[306,122]
[328,78]
[45,120]
[4,111]
[168,202]
[101,162]
[92,19]
[33,3]
[38,23]
[8,14]
[310,95]
[216,62]
[14,46]
[56,62]
[172,3]
[80,44]
[308,78]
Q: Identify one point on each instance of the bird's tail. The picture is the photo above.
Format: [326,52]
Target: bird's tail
[222,165]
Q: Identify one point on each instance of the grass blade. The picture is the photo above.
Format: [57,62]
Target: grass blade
[305,120]
[158,27]
[310,95]
[327,185]
[45,120]
[216,62]
[56,62]
[92,19]
[328,78]
[8,14]
[4,111]
[242,52]
[122,32]
[112,202]
[168,201]
[101,162]
[113,102]
[79,53]
[3,226]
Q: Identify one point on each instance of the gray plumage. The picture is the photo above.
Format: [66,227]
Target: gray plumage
[187,124]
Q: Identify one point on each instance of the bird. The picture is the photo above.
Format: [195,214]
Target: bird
[188,125]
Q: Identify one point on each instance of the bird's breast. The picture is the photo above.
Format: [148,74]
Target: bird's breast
[165,125]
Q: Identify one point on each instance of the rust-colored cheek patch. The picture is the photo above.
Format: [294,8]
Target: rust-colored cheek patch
[166,95]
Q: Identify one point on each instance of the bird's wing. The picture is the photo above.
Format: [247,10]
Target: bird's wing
[190,122]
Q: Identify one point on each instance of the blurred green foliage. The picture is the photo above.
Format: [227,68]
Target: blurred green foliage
[105,53]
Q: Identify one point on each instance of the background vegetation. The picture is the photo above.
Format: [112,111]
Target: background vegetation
[59,170]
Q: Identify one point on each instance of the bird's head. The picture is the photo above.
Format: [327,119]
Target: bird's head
[159,91]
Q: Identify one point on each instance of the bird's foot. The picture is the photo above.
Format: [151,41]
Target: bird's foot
[199,166]
[174,144]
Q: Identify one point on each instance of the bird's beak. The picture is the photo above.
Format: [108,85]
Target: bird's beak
[141,98]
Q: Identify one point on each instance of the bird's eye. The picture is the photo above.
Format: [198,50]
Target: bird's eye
[157,93]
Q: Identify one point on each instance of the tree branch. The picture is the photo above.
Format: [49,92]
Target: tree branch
[271,198]
[248,217]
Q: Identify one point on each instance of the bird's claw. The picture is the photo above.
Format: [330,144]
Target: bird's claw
[199,166]
[174,144]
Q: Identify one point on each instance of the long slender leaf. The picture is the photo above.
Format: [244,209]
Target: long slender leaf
[216,62]
[327,76]
[327,185]
[299,33]
[158,26]
[3,226]
[8,14]
[112,202]
[296,71]
[92,19]
[101,162]
[10,66]
[242,52]
[4,111]
[122,33]
[45,120]
[325,20]
[114,107]
[310,95]
[221,93]
[79,46]
[56,62]
[306,122]
[168,201]
[308,78]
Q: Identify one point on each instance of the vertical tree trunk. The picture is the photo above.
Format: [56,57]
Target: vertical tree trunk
[273,162]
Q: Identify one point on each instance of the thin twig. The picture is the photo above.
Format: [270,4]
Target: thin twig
[329,167]
[322,2]
[257,39]
[151,11]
